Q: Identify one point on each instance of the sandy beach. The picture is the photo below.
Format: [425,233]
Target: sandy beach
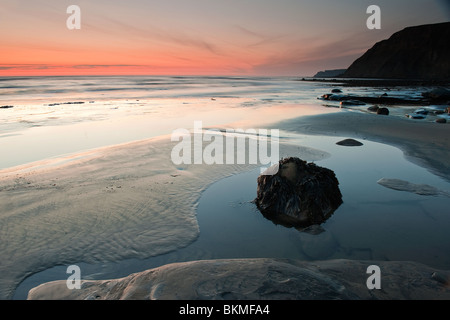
[113,203]
[131,201]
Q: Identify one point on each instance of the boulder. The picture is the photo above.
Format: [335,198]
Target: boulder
[352,103]
[415,116]
[441,120]
[349,143]
[422,111]
[299,195]
[437,94]
[383,111]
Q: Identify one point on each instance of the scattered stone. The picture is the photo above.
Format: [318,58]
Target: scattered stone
[300,194]
[416,116]
[441,120]
[421,189]
[6,107]
[422,111]
[383,111]
[437,94]
[57,104]
[349,143]
[336,91]
[352,103]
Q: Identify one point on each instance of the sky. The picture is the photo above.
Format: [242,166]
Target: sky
[198,37]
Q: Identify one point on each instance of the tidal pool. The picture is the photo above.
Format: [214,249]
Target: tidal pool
[373,223]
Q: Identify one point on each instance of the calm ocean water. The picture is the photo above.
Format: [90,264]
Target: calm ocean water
[45,90]
[54,116]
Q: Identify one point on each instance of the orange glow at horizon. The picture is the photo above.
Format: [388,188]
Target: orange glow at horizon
[204,37]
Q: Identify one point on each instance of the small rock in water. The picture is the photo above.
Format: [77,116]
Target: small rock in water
[421,111]
[421,189]
[416,116]
[352,103]
[441,120]
[383,111]
[336,91]
[349,143]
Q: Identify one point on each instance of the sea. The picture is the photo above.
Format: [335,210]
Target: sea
[49,117]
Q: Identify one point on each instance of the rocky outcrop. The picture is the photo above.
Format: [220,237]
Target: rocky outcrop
[419,52]
[261,279]
[299,195]
[330,73]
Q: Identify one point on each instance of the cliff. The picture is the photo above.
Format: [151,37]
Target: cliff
[329,73]
[419,52]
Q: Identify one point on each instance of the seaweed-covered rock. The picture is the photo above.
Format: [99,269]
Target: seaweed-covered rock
[299,195]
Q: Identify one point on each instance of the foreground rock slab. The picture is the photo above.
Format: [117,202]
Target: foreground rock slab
[262,279]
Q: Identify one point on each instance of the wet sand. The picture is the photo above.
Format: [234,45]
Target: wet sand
[108,204]
[175,191]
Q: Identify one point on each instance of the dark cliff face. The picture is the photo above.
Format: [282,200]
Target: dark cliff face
[420,52]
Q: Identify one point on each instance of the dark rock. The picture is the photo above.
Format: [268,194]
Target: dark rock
[421,111]
[299,195]
[329,73]
[349,143]
[439,277]
[383,111]
[417,52]
[441,120]
[437,94]
[336,91]
[335,97]
[416,116]
[373,108]
[6,107]
[352,103]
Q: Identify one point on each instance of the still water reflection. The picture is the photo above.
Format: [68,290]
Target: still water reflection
[373,223]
